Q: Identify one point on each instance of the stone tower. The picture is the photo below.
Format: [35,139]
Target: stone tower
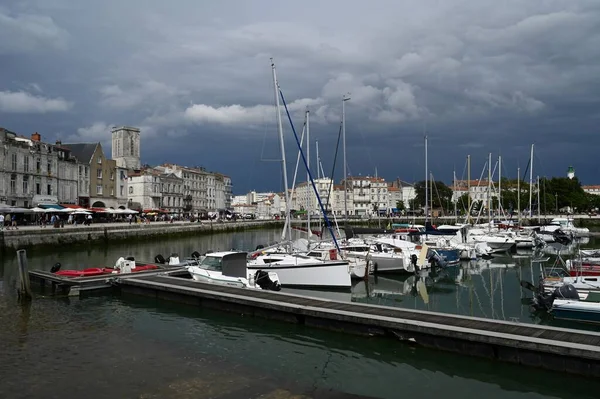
[126,147]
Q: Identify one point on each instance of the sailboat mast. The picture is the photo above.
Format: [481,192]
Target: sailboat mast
[283,161]
[489,195]
[500,184]
[345,98]
[426,188]
[455,198]
[531,181]
[519,197]
[309,195]
[469,188]
[538,198]
[318,159]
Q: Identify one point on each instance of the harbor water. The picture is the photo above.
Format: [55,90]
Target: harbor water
[128,347]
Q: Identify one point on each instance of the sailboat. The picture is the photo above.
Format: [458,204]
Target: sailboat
[293,269]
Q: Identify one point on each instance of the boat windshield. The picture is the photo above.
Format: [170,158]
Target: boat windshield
[211,263]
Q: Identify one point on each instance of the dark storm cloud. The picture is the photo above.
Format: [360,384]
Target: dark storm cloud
[477,76]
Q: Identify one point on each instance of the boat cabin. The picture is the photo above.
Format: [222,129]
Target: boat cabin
[231,264]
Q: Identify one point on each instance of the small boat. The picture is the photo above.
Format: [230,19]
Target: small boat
[122,266]
[565,303]
[230,269]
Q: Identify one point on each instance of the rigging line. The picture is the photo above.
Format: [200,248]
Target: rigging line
[328,223]
[293,189]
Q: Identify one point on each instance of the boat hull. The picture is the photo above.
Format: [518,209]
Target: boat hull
[334,275]
[588,312]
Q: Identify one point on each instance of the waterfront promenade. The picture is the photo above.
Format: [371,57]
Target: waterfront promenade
[29,236]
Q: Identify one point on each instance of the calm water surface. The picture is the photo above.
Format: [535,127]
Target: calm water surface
[130,347]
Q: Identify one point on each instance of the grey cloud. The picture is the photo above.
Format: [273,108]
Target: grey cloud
[478,75]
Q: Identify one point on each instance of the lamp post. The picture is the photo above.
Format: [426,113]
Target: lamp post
[556,201]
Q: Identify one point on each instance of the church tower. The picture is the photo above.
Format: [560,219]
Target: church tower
[126,147]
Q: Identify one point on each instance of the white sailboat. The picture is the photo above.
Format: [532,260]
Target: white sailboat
[295,270]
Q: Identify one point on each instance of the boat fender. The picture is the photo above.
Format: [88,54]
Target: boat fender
[55,268]
[160,259]
[261,278]
[332,254]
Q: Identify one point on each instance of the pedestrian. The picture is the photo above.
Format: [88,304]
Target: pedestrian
[8,221]
[89,220]
[130,217]
[14,222]
[1,221]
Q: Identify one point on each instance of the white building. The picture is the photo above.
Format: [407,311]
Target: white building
[144,190]
[305,198]
[194,187]
[478,191]
[591,189]
[369,195]
[338,204]
[121,187]
[172,198]
[34,173]
[126,147]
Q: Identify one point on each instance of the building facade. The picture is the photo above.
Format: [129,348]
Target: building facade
[172,197]
[369,195]
[34,172]
[144,190]
[103,179]
[126,147]
[305,198]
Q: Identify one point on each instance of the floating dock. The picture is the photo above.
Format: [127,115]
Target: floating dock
[558,349]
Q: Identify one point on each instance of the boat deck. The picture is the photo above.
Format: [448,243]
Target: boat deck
[568,350]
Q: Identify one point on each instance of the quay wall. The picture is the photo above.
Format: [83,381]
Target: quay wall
[28,237]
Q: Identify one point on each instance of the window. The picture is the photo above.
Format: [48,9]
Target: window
[99,161]
[121,191]
[49,168]
[99,189]
[26,164]
[13,183]
[25,184]
[112,175]
[80,170]
[49,189]
[112,191]
[14,161]
[26,204]
[130,190]
[99,173]
[86,172]
[38,188]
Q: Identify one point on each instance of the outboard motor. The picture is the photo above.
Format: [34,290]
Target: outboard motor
[196,254]
[259,246]
[160,259]
[544,301]
[173,259]
[567,291]
[262,279]
[413,260]
[130,258]
[436,260]
[55,268]
[561,237]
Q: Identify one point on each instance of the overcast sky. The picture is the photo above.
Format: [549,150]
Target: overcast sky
[478,76]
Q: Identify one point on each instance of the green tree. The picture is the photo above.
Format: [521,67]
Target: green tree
[441,194]
[566,192]
[400,205]
[463,202]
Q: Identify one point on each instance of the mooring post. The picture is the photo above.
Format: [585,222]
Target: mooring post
[24,289]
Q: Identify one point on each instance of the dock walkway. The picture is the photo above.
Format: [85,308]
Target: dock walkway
[560,349]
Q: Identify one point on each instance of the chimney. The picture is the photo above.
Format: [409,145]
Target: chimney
[36,137]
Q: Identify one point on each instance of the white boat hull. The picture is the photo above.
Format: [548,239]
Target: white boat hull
[327,275]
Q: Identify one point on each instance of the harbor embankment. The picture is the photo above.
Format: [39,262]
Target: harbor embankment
[30,236]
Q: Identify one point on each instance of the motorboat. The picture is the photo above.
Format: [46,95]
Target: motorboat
[230,269]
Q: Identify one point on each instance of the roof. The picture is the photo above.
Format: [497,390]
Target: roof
[83,152]
[591,187]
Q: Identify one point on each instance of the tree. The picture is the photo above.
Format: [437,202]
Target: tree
[400,205]
[566,192]
[463,202]
[440,192]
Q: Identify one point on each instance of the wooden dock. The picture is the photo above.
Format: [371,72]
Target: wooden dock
[558,349]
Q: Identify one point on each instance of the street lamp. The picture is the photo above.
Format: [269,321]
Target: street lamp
[556,202]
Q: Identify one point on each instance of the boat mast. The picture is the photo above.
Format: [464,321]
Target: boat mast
[500,184]
[426,178]
[455,198]
[469,189]
[519,197]
[308,194]
[345,97]
[538,198]
[288,222]
[318,160]
[531,181]
[489,190]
